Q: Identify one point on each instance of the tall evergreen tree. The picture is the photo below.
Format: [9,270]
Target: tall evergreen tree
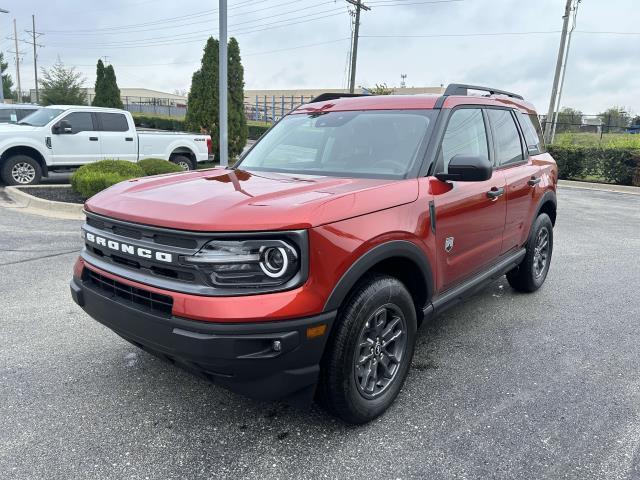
[100,90]
[203,100]
[7,82]
[107,91]
[237,118]
[112,87]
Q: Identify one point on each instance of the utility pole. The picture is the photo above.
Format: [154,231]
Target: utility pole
[2,10]
[15,37]
[34,36]
[222,83]
[556,78]
[354,51]
[403,78]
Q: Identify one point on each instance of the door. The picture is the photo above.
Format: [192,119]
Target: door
[520,174]
[79,145]
[119,142]
[470,216]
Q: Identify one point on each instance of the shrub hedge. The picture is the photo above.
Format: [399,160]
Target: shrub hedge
[256,131]
[158,166]
[161,123]
[619,165]
[95,177]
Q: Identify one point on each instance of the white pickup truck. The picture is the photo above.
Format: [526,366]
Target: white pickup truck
[62,137]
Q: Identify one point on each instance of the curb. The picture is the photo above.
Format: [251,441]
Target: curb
[40,206]
[601,187]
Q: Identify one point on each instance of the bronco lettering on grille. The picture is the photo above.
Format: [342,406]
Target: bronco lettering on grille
[127,248]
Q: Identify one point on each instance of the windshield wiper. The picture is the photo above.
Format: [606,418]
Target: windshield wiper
[24,123]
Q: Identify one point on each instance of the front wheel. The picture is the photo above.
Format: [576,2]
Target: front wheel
[183,161]
[369,354]
[532,272]
[21,170]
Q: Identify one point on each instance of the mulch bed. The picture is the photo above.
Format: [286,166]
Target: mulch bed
[56,194]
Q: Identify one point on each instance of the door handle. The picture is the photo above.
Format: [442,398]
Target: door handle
[534,181]
[93,139]
[495,192]
[128,139]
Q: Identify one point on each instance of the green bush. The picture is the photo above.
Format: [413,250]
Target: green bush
[158,166]
[161,123]
[619,165]
[95,177]
[256,131]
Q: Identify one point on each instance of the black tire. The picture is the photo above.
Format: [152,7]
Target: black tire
[21,170]
[531,273]
[185,162]
[341,388]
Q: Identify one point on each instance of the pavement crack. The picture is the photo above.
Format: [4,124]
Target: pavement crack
[40,257]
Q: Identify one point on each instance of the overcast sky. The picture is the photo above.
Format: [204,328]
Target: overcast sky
[508,44]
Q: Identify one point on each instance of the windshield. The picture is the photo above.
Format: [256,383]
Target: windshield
[41,117]
[373,144]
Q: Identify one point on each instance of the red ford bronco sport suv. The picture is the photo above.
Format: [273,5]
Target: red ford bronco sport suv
[308,266]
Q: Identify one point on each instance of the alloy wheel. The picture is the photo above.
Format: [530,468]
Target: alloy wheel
[23,173]
[541,252]
[380,350]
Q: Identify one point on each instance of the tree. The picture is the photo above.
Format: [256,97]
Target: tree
[381,89]
[569,120]
[107,91]
[203,99]
[237,117]
[7,82]
[62,86]
[635,121]
[615,118]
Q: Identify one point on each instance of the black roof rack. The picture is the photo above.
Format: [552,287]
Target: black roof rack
[323,97]
[463,90]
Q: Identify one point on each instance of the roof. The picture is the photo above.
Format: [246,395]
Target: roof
[19,105]
[85,107]
[412,102]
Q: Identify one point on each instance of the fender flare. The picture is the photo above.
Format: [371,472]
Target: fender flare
[394,248]
[548,196]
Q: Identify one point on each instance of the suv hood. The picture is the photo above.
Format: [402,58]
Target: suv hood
[13,128]
[238,200]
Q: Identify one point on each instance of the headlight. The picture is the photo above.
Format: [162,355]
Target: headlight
[248,263]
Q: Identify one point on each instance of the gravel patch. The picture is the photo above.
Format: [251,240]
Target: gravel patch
[56,194]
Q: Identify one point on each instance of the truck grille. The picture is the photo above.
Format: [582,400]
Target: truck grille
[140,298]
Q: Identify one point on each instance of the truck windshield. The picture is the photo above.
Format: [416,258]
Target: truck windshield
[370,144]
[41,117]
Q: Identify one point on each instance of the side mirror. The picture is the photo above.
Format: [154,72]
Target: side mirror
[467,168]
[62,126]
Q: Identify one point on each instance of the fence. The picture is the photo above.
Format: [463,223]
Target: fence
[596,125]
[271,108]
[152,105]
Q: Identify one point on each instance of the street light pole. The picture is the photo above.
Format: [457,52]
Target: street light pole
[222,83]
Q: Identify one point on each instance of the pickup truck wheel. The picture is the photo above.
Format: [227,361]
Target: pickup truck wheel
[369,354]
[185,162]
[532,272]
[21,170]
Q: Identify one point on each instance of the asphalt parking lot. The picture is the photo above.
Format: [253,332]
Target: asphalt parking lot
[506,385]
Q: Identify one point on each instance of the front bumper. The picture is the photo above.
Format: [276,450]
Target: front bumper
[242,357]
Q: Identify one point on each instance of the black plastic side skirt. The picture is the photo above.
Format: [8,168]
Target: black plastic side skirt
[456,294]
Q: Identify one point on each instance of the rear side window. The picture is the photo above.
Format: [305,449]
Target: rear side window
[113,122]
[506,137]
[465,135]
[80,122]
[532,133]
[7,115]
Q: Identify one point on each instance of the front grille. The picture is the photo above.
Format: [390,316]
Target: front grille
[140,298]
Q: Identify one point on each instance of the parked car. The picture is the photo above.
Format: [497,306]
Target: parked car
[62,137]
[312,262]
[14,112]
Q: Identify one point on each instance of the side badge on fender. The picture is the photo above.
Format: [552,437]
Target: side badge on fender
[448,244]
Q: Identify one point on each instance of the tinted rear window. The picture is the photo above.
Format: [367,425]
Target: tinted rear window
[113,122]
[532,133]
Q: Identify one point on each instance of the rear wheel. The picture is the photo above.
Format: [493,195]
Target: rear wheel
[21,170]
[369,354]
[185,162]
[532,272]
